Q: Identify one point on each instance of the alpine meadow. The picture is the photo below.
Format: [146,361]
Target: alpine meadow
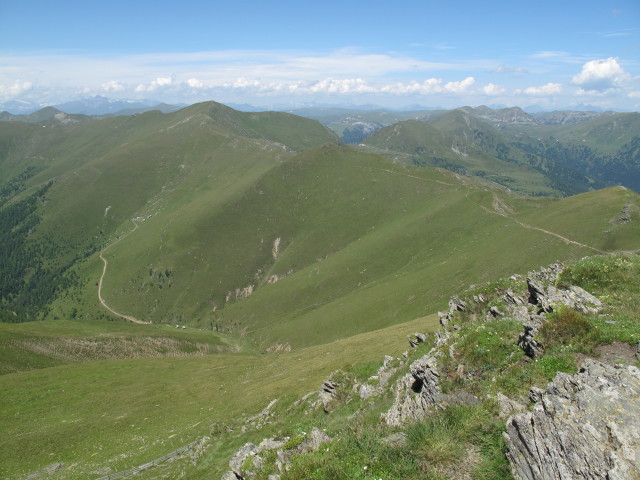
[327,293]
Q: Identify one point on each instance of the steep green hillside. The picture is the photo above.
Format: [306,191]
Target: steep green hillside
[509,148]
[102,173]
[463,144]
[604,150]
[606,134]
[284,256]
[333,242]
[118,413]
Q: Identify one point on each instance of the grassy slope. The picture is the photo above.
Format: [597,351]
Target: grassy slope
[462,141]
[364,249]
[369,244]
[605,134]
[121,413]
[107,171]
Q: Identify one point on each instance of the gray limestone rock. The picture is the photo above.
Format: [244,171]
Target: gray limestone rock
[381,378]
[418,338]
[398,439]
[457,304]
[314,441]
[328,393]
[584,426]
[508,406]
[532,348]
[416,392]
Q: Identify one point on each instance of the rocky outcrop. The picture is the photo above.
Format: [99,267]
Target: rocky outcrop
[419,390]
[263,418]
[250,459]
[584,426]
[377,383]
[415,393]
[329,392]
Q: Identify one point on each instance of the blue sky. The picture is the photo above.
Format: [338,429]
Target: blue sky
[446,54]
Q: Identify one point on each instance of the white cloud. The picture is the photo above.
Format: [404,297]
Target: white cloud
[113,86]
[549,54]
[493,89]
[344,86]
[195,83]
[543,90]
[252,76]
[601,75]
[347,86]
[17,88]
[460,87]
[155,85]
[428,86]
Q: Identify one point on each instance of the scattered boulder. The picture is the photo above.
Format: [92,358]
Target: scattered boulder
[382,377]
[416,392]
[417,339]
[328,393]
[532,348]
[263,418]
[457,304]
[583,426]
[249,460]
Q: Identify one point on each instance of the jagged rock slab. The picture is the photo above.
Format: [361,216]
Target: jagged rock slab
[416,392]
[584,426]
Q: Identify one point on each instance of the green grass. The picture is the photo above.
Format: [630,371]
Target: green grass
[122,413]
[42,344]
[449,141]
[365,246]
[615,280]
[365,249]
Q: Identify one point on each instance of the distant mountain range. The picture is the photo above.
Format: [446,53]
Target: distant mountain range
[550,153]
[93,106]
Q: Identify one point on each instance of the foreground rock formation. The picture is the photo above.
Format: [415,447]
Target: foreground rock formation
[584,426]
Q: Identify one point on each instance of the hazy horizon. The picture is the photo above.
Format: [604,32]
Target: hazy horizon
[550,55]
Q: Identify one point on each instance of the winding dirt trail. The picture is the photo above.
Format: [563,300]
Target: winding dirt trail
[104,271]
[499,209]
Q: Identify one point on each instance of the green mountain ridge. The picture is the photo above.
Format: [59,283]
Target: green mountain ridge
[280,254]
[525,157]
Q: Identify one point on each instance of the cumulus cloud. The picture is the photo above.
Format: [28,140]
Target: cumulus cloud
[493,89]
[543,90]
[112,86]
[601,75]
[428,86]
[346,85]
[155,85]
[195,83]
[460,87]
[15,89]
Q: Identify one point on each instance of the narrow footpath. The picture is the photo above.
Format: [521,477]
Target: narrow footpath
[104,271]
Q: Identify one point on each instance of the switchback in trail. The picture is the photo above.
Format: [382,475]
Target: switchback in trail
[104,271]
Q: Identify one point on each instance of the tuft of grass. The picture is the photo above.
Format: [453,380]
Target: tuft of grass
[613,273]
[489,346]
[567,327]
